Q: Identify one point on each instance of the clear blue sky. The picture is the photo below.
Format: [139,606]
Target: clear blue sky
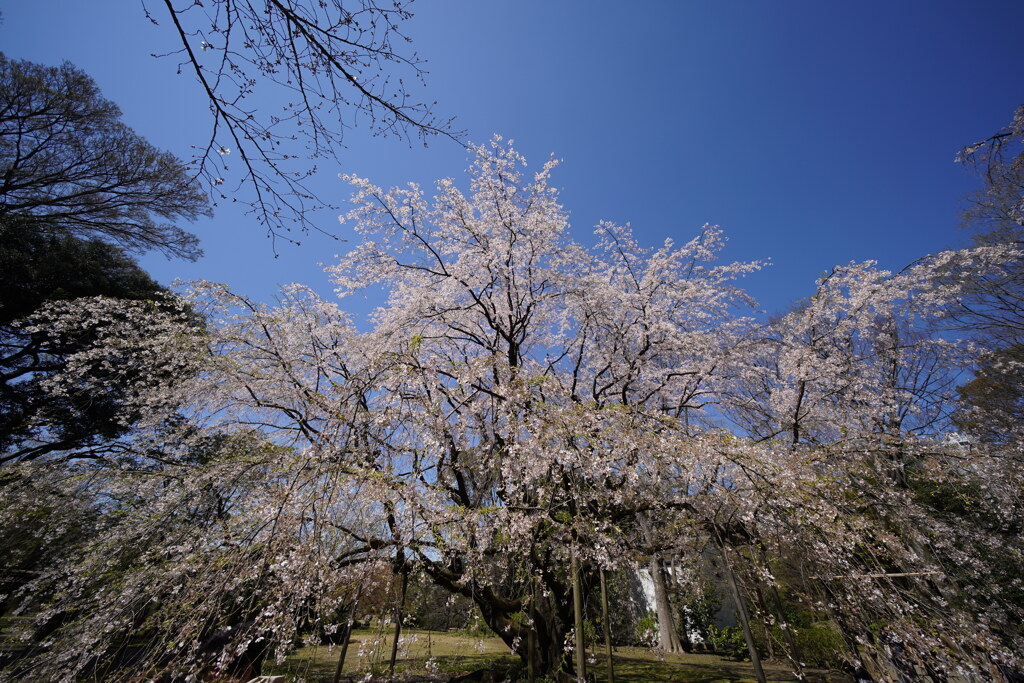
[815,132]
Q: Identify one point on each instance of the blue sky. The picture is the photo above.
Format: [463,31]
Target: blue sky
[814,132]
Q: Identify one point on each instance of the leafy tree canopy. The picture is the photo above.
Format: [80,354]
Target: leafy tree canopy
[68,159]
[43,272]
[38,264]
[992,304]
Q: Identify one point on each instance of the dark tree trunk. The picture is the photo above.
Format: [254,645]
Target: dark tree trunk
[403,585]
[552,611]
[552,623]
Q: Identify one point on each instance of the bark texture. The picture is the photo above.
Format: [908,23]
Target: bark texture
[668,636]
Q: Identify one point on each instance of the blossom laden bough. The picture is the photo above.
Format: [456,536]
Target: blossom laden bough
[526,411]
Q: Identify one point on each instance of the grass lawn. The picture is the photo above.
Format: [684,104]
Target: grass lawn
[423,653]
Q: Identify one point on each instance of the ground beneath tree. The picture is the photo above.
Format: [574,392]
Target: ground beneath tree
[436,657]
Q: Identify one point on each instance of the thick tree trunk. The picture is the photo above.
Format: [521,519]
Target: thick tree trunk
[540,646]
[668,637]
[553,621]
[552,614]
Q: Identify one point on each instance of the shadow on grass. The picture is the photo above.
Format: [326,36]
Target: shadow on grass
[422,656]
[636,665]
[431,656]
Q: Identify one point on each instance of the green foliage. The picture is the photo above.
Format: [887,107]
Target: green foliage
[993,402]
[646,629]
[946,498]
[728,641]
[75,182]
[477,627]
[626,607]
[27,551]
[697,602]
[39,264]
[415,344]
[699,613]
[820,644]
[437,609]
[591,633]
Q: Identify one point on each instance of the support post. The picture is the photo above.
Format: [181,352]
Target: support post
[741,607]
[607,628]
[398,612]
[577,605]
[531,634]
[347,636]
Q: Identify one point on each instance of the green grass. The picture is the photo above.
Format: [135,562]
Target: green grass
[637,665]
[420,653]
[432,652]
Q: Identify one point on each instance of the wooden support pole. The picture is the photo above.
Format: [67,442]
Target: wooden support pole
[398,613]
[794,652]
[344,649]
[741,608]
[531,633]
[348,635]
[577,606]
[607,628]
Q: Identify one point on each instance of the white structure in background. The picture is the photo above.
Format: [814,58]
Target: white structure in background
[643,575]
